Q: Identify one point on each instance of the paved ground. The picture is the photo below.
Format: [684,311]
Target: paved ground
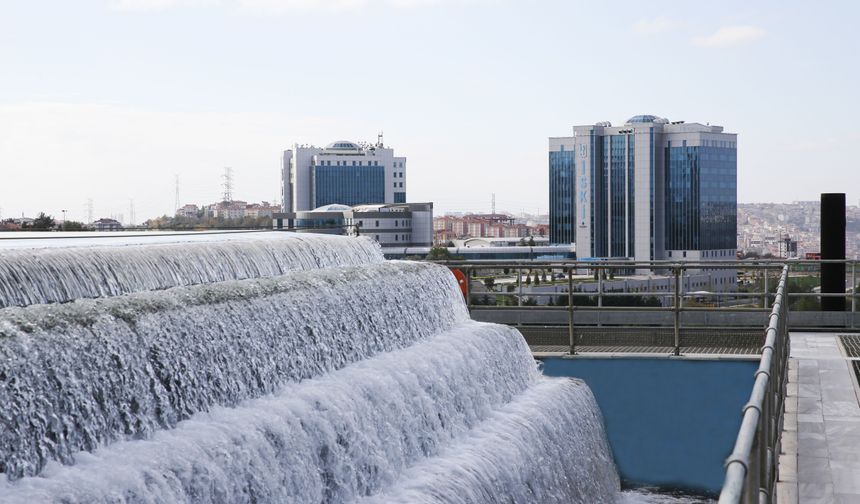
[820,459]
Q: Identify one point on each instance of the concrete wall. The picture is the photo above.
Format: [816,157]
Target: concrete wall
[670,422]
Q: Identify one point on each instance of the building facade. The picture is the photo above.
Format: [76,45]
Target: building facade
[396,224]
[343,173]
[450,227]
[648,190]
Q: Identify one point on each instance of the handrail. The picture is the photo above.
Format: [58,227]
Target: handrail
[752,468]
[664,276]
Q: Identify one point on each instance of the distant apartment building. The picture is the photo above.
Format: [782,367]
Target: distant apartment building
[787,247]
[649,189]
[233,210]
[392,225]
[188,211]
[264,209]
[449,228]
[344,173]
[228,209]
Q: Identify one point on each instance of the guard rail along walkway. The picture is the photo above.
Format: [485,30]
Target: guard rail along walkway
[751,469]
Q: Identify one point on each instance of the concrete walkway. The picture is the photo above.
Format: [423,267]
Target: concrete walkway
[820,459]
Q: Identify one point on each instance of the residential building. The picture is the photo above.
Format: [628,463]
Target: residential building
[344,173]
[188,211]
[497,225]
[395,224]
[106,225]
[264,209]
[228,209]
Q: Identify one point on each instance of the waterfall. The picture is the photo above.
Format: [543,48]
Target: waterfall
[55,275]
[342,382]
[80,374]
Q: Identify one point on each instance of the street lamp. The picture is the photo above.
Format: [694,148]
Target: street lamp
[64,219]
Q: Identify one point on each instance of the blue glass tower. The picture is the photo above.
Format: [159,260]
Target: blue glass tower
[647,190]
[561,190]
[349,185]
[701,196]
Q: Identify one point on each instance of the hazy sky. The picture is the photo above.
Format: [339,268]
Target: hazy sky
[110,99]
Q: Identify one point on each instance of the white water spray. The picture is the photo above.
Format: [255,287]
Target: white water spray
[342,384]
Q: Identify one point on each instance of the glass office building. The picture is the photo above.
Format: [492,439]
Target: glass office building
[348,185]
[561,190]
[701,192]
[342,172]
[649,189]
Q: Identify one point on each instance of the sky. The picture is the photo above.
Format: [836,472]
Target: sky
[111,100]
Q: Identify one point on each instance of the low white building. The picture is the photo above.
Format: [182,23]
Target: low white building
[396,224]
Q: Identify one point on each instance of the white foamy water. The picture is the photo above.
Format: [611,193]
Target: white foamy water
[77,375]
[328,439]
[332,383]
[38,271]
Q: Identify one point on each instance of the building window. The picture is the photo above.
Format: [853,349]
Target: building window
[396,237]
[377,223]
[395,223]
[401,184]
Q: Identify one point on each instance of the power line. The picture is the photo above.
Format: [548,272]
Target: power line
[176,201]
[228,184]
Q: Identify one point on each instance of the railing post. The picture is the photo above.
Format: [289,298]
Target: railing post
[853,290]
[600,272]
[468,273]
[677,310]
[519,286]
[765,300]
[570,333]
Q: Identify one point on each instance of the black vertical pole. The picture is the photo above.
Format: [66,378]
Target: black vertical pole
[833,247]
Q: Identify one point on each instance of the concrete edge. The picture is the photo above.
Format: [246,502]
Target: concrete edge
[786,483]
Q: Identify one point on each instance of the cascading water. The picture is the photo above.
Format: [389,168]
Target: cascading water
[349,383]
[53,274]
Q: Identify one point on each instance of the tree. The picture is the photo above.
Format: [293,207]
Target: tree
[537,279]
[43,222]
[489,282]
[73,226]
[528,280]
[439,254]
[531,241]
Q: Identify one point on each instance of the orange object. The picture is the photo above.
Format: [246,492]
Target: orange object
[461,281]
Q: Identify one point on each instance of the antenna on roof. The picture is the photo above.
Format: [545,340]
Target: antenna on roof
[379,140]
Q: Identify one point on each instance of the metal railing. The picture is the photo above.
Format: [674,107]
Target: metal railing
[752,468]
[675,295]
